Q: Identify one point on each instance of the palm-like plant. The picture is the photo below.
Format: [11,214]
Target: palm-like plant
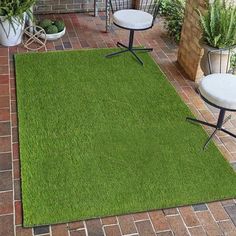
[219,24]
[14,12]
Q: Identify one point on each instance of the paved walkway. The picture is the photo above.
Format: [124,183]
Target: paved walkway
[85,31]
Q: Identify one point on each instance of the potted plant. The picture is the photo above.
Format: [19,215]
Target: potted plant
[13,14]
[54,29]
[218,24]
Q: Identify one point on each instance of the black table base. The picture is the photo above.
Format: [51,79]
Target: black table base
[219,126]
[130,48]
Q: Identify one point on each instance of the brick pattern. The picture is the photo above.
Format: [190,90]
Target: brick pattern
[65,6]
[83,31]
[190,52]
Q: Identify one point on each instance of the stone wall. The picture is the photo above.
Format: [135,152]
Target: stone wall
[190,52]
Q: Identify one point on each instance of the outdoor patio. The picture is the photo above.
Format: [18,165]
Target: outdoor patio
[86,31]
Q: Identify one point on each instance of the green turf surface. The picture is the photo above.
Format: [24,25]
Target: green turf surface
[101,137]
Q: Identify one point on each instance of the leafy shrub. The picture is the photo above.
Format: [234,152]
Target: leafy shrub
[14,10]
[219,24]
[51,29]
[2,12]
[60,25]
[45,23]
[52,26]
[163,7]
[173,11]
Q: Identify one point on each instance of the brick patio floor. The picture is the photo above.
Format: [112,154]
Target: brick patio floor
[85,31]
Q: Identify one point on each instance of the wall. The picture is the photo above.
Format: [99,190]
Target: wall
[64,6]
[190,52]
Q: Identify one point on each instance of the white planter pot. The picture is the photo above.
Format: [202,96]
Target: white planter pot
[9,36]
[218,62]
[51,37]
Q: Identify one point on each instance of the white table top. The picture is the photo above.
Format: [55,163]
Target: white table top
[219,89]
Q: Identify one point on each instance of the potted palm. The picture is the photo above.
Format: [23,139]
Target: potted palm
[13,14]
[218,24]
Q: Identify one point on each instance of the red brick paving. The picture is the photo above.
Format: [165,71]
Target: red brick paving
[84,31]
[109,221]
[6,200]
[227,227]
[159,221]
[189,216]
[127,225]
[5,161]
[60,230]
[76,225]
[78,233]
[145,228]
[177,225]
[209,224]
[218,211]
[112,230]
[197,231]
[7,225]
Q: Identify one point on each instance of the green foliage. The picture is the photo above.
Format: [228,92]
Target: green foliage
[219,24]
[60,25]
[51,26]
[14,10]
[51,29]
[233,63]
[173,11]
[2,12]
[163,7]
[45,23]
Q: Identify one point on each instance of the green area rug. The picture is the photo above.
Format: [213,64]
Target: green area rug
[101,137]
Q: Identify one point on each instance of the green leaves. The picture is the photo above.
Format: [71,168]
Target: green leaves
[233,62]
[13,11]
[219,24]
[15,8]
[173,10]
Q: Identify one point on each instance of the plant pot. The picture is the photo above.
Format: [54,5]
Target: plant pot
[9,36]
[51,37]
[215,60]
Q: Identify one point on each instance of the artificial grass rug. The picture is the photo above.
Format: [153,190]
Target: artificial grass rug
[101,137]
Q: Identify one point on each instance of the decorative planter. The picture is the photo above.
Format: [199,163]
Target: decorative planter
[215,60]
[11,33]
[56,36]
